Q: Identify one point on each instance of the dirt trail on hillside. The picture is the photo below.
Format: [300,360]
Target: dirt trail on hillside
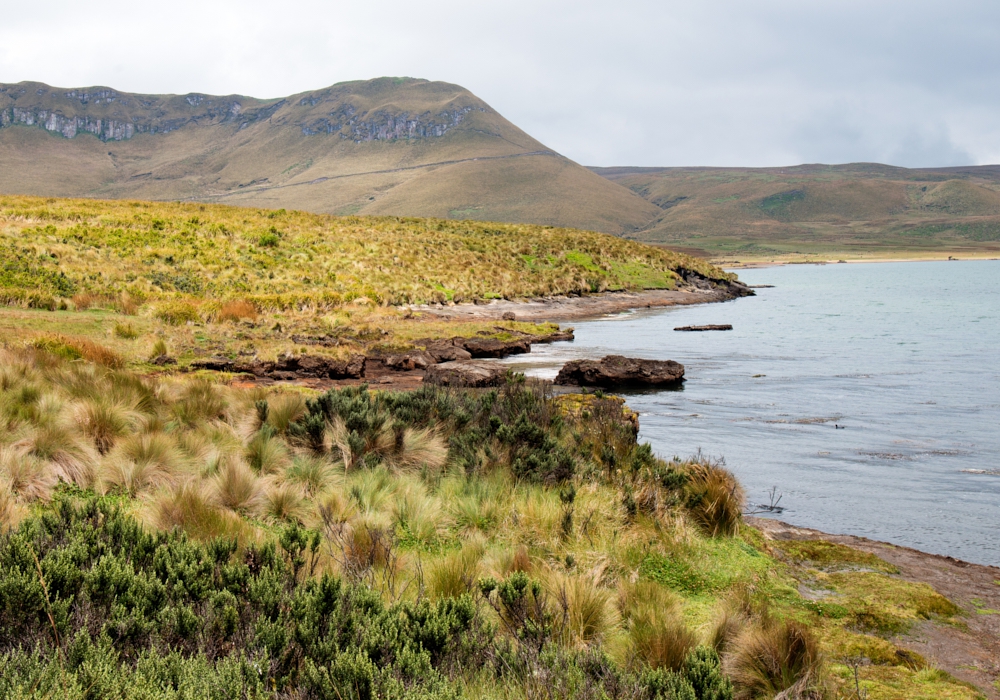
[971,654]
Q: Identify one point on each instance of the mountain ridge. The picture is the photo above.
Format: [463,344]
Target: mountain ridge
[388,146]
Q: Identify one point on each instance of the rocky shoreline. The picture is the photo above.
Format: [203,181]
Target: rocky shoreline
[970,652]
[569,308]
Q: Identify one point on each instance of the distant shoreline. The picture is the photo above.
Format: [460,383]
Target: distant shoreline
[754,264]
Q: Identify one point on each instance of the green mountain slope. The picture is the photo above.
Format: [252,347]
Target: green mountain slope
[395,146]
[856,210]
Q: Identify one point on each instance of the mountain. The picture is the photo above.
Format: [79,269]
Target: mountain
[855,210]
[396,146]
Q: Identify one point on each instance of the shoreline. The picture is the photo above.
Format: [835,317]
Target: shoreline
[565,308]
[755,264]
[970,652]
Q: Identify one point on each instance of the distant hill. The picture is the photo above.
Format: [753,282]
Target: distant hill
[396,146]
[854,210]
[408,147]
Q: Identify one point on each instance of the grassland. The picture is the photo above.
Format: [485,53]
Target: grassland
[210,279]
[166,534]
[172,537]
[817,212]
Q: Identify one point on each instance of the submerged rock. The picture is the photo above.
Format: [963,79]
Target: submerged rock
[468,373]
[617,371]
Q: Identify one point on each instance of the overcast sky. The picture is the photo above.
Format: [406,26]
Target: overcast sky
[619,82]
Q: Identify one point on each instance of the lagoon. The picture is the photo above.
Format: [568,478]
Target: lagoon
[905,357]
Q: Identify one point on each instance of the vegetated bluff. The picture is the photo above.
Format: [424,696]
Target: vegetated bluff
[396,146]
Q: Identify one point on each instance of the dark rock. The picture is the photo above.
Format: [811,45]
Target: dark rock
[290,367]
[554,337]
[410,361]
[491,347]
[214,364]
[617,371]
[722,327]
[448,353]
[468,373]
[163,360]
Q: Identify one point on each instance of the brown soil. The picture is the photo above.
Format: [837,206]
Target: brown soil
[970,652]
[575,308]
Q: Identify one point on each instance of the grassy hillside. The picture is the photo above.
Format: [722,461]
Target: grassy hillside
[174,538]
[215,279]
[395,146]
[820,212]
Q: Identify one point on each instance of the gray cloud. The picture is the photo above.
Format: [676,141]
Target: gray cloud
[636,82]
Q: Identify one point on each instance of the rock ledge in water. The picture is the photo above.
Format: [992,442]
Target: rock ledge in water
[719,327]
[617,370]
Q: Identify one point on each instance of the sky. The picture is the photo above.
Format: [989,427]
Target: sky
[619,82]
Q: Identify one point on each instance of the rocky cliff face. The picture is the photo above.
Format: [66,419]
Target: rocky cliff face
[115,116]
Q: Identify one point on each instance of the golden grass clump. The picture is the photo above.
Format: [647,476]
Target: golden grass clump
[266,454]
[12,511]
[141,463]
[284,409]
[105,421]
[283,502]
[417,513]
[25,476]
[126,331]
[456,574]
[313,475]
[590,614]
[234,311]
[70,456]
[190,507]
[237,488]
[79,349]
[655,624]
[715,498]
[776,659]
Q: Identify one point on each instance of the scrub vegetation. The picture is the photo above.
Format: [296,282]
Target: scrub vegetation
[174,537]
[146,280]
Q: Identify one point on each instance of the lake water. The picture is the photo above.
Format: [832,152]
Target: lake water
[904,356]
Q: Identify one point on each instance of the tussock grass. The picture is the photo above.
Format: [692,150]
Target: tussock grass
[237,488]
[629,585]
[105,421]
[776,659]
[141,463]
[716,498]
[590,613]
[266,454]
[457,573]
[26,477]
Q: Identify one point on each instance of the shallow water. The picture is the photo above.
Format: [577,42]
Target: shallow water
[904,356]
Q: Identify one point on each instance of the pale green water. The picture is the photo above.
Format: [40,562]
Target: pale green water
[906,356]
